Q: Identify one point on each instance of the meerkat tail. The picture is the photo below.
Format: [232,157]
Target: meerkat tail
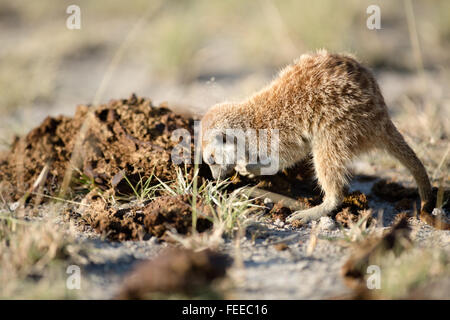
[396,146]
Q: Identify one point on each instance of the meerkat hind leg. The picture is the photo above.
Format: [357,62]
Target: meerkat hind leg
[331,174]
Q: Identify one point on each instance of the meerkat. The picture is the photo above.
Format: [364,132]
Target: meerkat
[325,105]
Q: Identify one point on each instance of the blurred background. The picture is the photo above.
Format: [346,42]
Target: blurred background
[193,54]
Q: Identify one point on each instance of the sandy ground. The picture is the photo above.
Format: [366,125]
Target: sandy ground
[265,272]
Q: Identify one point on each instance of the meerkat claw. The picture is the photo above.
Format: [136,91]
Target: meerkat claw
[305,216]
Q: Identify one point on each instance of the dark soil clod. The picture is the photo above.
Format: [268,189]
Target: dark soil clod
[279,212]
[351,208]
[175,271]
[165,213]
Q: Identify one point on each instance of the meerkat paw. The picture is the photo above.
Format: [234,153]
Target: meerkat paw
[307,215]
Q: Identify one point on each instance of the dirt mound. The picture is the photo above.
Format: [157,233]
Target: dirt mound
[175,271]
[128,137]
[279,212]
[165,213]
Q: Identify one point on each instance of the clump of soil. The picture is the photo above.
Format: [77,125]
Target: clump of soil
[115,224]
[155,218]
[280,212]
[175,271]
[175,212]
[356,201]
[351,209]
[129,137]
[346,217]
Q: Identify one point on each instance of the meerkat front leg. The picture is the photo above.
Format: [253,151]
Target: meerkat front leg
[331,172]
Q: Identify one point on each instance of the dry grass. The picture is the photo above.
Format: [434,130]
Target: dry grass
[34,255]
[231,212]
[400,280]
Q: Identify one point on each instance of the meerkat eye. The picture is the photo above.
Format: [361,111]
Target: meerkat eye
[210,160]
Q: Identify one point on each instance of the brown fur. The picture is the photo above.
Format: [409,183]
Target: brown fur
[327,105]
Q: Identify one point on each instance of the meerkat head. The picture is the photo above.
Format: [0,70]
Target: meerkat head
[215,151]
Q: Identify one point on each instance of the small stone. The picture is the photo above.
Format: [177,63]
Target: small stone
[438,212]
[268,203]
[279,223]
[13,206]
[326,223]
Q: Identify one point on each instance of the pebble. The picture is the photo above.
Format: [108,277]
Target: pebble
[326,223]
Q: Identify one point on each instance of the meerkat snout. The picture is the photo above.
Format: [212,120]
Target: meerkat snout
[215,154]
[327,106]
[231,149]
